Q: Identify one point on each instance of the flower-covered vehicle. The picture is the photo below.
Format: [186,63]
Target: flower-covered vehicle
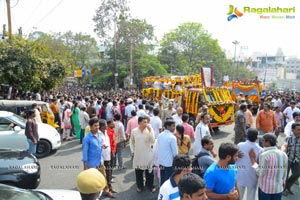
[252,88]
[189,93]
[219,103]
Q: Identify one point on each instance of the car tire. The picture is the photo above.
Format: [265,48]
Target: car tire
[43,148]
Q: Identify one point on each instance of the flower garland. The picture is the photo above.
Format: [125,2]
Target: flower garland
[245,87]
[151,92]
[223,116]
[193,101]
[196,105]
[187,101]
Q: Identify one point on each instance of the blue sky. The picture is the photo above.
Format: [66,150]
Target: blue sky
[258,35]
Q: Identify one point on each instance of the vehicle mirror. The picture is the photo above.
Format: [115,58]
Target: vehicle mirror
[17,128]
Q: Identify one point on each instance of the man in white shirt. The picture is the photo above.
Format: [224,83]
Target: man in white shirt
[156,123]
[201,130]
[141,112]
[106,155]
[167,150]
[288,112]
[130,107]
[277,102]
[37,113]
[246,175]
[84,121]
[177,116]
[288,128]
[169,190]
[109,114]
[141,141]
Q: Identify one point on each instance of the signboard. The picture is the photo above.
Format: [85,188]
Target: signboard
[78,73]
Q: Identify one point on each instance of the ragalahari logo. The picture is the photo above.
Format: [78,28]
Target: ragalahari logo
[233,13]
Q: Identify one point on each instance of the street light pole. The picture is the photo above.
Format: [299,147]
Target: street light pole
[115,59]
[235,42]
[266,65]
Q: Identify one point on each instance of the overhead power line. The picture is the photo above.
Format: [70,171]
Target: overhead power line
[43,18]
[15,4]
[32,13]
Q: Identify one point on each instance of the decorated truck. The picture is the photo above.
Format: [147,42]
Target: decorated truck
[218,100]
[190,94]
[252,88]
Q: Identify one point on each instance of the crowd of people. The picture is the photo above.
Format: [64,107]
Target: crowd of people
[161,142]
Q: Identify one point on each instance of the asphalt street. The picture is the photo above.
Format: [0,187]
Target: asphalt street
[59,170]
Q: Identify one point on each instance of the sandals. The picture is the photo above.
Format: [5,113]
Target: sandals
[139,190]
[153,189]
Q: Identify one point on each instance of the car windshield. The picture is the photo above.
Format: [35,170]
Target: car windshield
[19,194]
[41,195]
[18,120]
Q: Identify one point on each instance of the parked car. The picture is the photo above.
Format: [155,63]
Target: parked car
[19,107]
[19,168]
[10,192]
[13,137]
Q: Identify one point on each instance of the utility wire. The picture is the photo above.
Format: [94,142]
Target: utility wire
[32,13]
[4,13]
[15,4]
[49,13]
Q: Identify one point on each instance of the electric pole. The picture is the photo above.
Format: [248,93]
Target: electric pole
[235,42]
[115,58]
[9,19]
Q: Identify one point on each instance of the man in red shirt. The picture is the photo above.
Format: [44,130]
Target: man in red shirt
[113,146]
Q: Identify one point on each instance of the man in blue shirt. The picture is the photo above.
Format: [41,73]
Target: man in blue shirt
[92,145]
[167,150]
[220,177]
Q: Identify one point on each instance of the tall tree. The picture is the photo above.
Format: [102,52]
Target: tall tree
[136,34]
[107,20]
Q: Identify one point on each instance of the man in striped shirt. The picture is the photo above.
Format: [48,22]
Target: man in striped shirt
[292,148]
[271,170]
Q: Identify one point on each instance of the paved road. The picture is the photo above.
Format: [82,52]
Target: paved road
[59,170]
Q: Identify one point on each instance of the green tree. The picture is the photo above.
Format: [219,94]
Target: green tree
[50,45]
[188,48]
[136,37]
[107,21]
[149,66]
[83,48]
[108,17]
[18,64]
[29,65]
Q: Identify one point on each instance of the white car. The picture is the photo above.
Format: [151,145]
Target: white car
[10,192]
[14,138]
